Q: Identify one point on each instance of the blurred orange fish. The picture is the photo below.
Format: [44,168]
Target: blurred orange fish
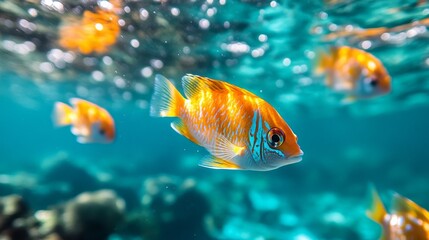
[95,32]
[354,72]
[407,220]
[355,34]
[90,123]
[239,129]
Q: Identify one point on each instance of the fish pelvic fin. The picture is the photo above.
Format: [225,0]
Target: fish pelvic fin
[349,100]
[377,211]
[180,127]
[63,114]
[166,100]
[218,163]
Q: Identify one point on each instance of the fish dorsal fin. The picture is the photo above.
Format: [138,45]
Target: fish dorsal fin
[223,148]
[218,163]
[401,204]
[377,210]
[194,84]
[180,127]
[77,102]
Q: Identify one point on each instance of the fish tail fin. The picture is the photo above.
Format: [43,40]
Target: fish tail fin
[63,114]
[377,210]
[322,62]
[166,100]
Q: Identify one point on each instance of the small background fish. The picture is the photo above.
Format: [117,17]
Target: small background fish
[89,122]
[405,221]
[355,72]
[96,32]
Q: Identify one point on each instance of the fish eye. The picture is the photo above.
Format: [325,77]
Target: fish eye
[373,82]
[102,132]
[275,137]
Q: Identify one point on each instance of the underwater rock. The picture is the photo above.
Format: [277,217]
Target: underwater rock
[334,217]
[90,215]
[171,208]
[62,179]
[13,214]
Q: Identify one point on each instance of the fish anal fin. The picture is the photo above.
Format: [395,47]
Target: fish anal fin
[377,211]
[180,127]
[218,163]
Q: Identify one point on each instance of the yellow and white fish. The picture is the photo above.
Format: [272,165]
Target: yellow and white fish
[239,129]
[406,220]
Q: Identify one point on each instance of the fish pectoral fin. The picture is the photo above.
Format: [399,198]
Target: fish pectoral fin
[180,127]
[224,149]
[218,163]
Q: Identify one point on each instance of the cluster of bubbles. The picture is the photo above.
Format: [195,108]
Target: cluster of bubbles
[268,47]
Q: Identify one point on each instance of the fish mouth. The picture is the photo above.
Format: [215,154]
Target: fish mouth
[295,158]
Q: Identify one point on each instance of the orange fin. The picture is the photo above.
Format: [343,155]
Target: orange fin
[166,100]
[218,163]
[401,204]
[224,149]
[193,84]
[63,114]
[377,210]
[322,63]
[180,127]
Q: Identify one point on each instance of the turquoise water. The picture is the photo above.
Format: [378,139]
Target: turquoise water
[265,47]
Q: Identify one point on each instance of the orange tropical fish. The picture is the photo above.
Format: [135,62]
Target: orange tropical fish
[95,32]
[407,221]
[354,72]
[239,129]
[90,123]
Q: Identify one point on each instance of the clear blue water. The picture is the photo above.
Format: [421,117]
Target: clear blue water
[347,146]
